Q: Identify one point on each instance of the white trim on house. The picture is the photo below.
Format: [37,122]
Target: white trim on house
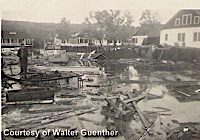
[139,39]
[185,21]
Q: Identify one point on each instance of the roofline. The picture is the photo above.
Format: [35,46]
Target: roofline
[196,11]
[177,13]
[136,30]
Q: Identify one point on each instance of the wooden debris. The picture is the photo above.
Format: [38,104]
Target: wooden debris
[37,119]
[144,121]
[184,93]
[41,124]
[33,94]
[118,109]
[136,99]
[93,86]
[165,109]
[59,108]
[97,86]
[103,98]
[89,120]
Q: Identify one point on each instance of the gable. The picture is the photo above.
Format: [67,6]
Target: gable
[152,30]
[184,19]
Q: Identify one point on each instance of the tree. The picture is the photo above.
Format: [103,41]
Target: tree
[149,17]
[112,24]
[63,29]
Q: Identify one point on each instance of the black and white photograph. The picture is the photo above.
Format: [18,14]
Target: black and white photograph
[100,69]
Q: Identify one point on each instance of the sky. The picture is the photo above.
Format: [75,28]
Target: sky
[51,11]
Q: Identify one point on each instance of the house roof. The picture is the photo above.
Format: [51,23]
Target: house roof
[10,34]
[151,30]
[197,11]
[80,34]
[171,23]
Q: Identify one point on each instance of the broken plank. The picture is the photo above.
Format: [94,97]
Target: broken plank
[59,108]
[184,93]
[136,99]
[103,98]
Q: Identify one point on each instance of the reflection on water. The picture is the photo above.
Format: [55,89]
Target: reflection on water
[183,112]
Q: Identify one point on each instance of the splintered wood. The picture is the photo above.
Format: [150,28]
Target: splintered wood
[118,109]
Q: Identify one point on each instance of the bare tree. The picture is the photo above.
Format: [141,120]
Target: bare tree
[149,17]
[112,24]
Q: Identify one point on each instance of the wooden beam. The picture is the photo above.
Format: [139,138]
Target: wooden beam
[144,121]
[136,99]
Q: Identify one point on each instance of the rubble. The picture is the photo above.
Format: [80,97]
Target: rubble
[158,108]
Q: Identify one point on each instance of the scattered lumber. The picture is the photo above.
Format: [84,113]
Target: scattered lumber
[57,118]
[118,109]
[37,119]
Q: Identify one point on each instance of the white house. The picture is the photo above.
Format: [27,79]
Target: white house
[146,34]
[183,29]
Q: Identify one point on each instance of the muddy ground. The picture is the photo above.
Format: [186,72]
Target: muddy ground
[171,104]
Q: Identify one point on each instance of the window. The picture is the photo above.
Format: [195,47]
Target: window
[166,37]
[13,40]
[21,40]
[28,42]
[186,19]
[135,40]
[177,22]
[86,40]
[6,41]
[196,20]
[199,37]
[196,36]
[181,36]
[81,40]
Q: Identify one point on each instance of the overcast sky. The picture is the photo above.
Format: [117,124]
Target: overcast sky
[77,10]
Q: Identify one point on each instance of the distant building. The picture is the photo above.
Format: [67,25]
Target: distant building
[10,39]
[80,39]
[183,29]
[147,34]
[84,39]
